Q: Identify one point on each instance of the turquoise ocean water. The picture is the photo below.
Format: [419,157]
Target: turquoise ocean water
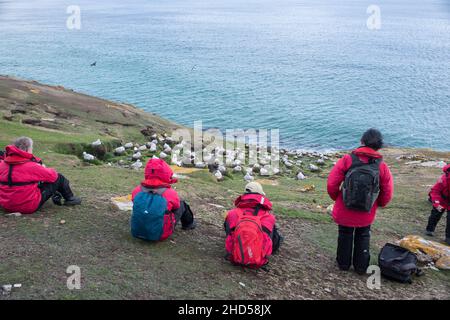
[311,68]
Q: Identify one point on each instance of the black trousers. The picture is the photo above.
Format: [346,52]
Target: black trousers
[61,186]
[353,247]
[434,218]
[184,214]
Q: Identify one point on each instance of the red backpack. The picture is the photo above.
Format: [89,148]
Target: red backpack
[248,241]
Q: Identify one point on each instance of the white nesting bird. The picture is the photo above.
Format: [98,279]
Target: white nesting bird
[88,157]
[96,143]
[200,165]
[218,175]
[167,149]
[137,155]
[153,147]
[163,155]
[137,165]
[237,169]
[222,168]
[300,176]
[119,150]
[248,177]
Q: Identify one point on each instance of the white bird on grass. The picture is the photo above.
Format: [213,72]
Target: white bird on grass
[88,157]
[137,156]
[96,143]
[248,177]
[136,165]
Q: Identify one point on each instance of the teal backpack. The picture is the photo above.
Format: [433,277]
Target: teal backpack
[150,219]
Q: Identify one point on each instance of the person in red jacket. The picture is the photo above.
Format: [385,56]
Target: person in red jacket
[354,226]
[26,184]
[254,197]
[440,198]
[159,176]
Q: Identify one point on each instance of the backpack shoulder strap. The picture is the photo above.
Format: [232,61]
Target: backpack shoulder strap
[10,182]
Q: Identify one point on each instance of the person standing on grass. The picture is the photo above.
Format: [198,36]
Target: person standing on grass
[440,198]
[359,183]
[26,184]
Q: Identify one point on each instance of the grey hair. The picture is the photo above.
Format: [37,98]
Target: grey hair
[24,143]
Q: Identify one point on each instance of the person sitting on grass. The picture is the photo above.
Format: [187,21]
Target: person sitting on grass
[252,236]
[26,184]
[157,208]
[359,183]
[440,198]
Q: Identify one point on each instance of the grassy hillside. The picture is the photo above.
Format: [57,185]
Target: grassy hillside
[36,250]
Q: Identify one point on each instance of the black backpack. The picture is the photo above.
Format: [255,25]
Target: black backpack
[362,184]
[397,263]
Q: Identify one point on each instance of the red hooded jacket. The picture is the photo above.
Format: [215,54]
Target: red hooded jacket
[27,171]
[440,192]
[158,174]
[351,218]
[250,201]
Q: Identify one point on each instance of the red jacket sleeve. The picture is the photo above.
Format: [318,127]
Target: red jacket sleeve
[172,198]
[386,185]
[36,172]
[436,192]
[135,192]
[337,176]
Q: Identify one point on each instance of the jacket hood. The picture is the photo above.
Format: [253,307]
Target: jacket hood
[251,200]
[158,173]
[15,155]
[368,152]
[446,168]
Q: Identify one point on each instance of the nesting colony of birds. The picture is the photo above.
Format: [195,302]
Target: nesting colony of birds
[249,162]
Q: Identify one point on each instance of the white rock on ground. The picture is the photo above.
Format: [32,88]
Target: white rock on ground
[313,168]
[142,148]
[128,145]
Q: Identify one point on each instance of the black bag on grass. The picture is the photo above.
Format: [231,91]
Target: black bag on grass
[397,263]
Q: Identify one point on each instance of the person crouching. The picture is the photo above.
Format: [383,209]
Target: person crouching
[252,236]
[157,208]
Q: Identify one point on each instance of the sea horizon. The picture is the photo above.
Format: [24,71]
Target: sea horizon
[312,69]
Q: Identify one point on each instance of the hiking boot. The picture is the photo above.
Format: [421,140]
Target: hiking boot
[74,201]
[429,233]
[190,226]
[57,199]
